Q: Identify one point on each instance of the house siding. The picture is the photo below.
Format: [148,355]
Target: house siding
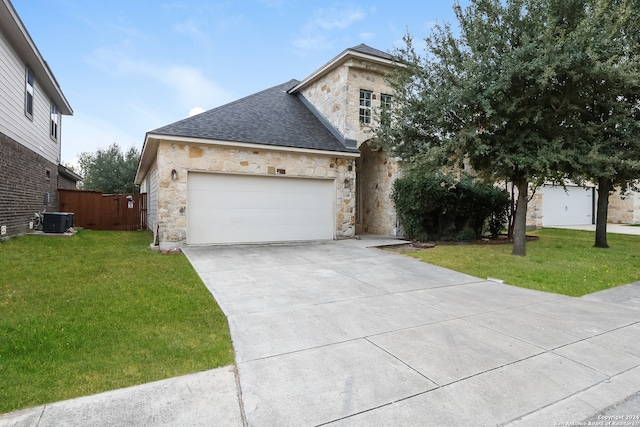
[152,197]
[33,134]
[23,183]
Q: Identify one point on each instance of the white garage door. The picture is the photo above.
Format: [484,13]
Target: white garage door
[571,207]
[247,208]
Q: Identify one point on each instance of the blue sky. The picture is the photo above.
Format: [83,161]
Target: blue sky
[128,67]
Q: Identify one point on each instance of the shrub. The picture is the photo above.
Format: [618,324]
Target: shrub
[439,206]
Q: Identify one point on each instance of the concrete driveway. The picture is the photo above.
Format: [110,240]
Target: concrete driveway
[340,334]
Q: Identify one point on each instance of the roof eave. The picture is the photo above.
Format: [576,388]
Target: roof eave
[152,140]
[25,46]
[335,62]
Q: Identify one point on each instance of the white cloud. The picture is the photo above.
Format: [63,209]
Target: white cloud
[188,27]
[195,111]
[86,133]
[329,19]
[190,86]
[367,35]
[315,35]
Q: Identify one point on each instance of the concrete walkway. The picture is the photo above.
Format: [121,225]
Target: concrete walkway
[340,334]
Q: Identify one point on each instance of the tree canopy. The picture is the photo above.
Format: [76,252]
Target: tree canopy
[109,170]
[509,93]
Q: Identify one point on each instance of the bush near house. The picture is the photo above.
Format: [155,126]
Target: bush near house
[438,206]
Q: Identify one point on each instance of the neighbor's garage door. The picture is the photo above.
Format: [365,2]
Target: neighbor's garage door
[247,208]
[571,207]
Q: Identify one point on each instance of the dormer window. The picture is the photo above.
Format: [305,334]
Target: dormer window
[28,100]
[365,106]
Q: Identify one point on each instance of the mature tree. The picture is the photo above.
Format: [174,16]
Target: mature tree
[523,93]
[602,71]
[110,170]
[482,96]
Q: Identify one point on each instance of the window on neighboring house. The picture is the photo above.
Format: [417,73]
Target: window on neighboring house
[55,121]
[28,103]
[385,100]
[365,106]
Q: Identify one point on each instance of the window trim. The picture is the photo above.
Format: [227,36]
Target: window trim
[29,93]
[366,107]
[386,100]
[54,122]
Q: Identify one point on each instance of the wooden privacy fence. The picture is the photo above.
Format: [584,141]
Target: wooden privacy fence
[97,211]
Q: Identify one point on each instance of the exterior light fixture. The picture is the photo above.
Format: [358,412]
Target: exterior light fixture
[174,174]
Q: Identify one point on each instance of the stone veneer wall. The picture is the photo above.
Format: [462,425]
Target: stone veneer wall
[534,210]
[336,95]
[377,172]
[172,195]
[23,182]
[624,209]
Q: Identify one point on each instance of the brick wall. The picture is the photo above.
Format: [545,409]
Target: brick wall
[23,183]
[65,183]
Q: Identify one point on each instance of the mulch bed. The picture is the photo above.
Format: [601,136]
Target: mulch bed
[500,240]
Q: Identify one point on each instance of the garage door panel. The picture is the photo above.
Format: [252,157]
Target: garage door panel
[248,208]
[251,217]
[571,207]
[269,200]
[229,234]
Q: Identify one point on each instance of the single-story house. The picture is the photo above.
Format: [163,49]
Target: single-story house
[289,163]
[557,206]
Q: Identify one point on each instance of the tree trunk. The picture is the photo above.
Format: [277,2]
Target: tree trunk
[512,212]
[520,220]
[604,188]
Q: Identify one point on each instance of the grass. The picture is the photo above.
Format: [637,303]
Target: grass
[561,261]
[100,311]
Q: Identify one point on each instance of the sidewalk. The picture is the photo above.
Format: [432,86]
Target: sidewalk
[208,398]
[611,228]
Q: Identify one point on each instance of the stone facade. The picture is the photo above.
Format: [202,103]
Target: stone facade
[25,177]
[336,95]
[624,209]
[534,210]
[191,157]
[376,174]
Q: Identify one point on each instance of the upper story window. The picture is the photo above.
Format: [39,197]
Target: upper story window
[55,122]
[28,101]
[385,100]
[365,106]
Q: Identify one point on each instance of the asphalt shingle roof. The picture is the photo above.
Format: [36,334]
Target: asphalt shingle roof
[363,48]
[271,117]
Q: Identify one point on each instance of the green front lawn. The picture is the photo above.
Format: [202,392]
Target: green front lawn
[561,261]
[100,311]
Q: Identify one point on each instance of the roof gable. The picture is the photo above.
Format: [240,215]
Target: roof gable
[361,51]
[271,117]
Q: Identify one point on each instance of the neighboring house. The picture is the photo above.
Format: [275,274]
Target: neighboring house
[67,179]
[555,206]
[31,109]
[289,163]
